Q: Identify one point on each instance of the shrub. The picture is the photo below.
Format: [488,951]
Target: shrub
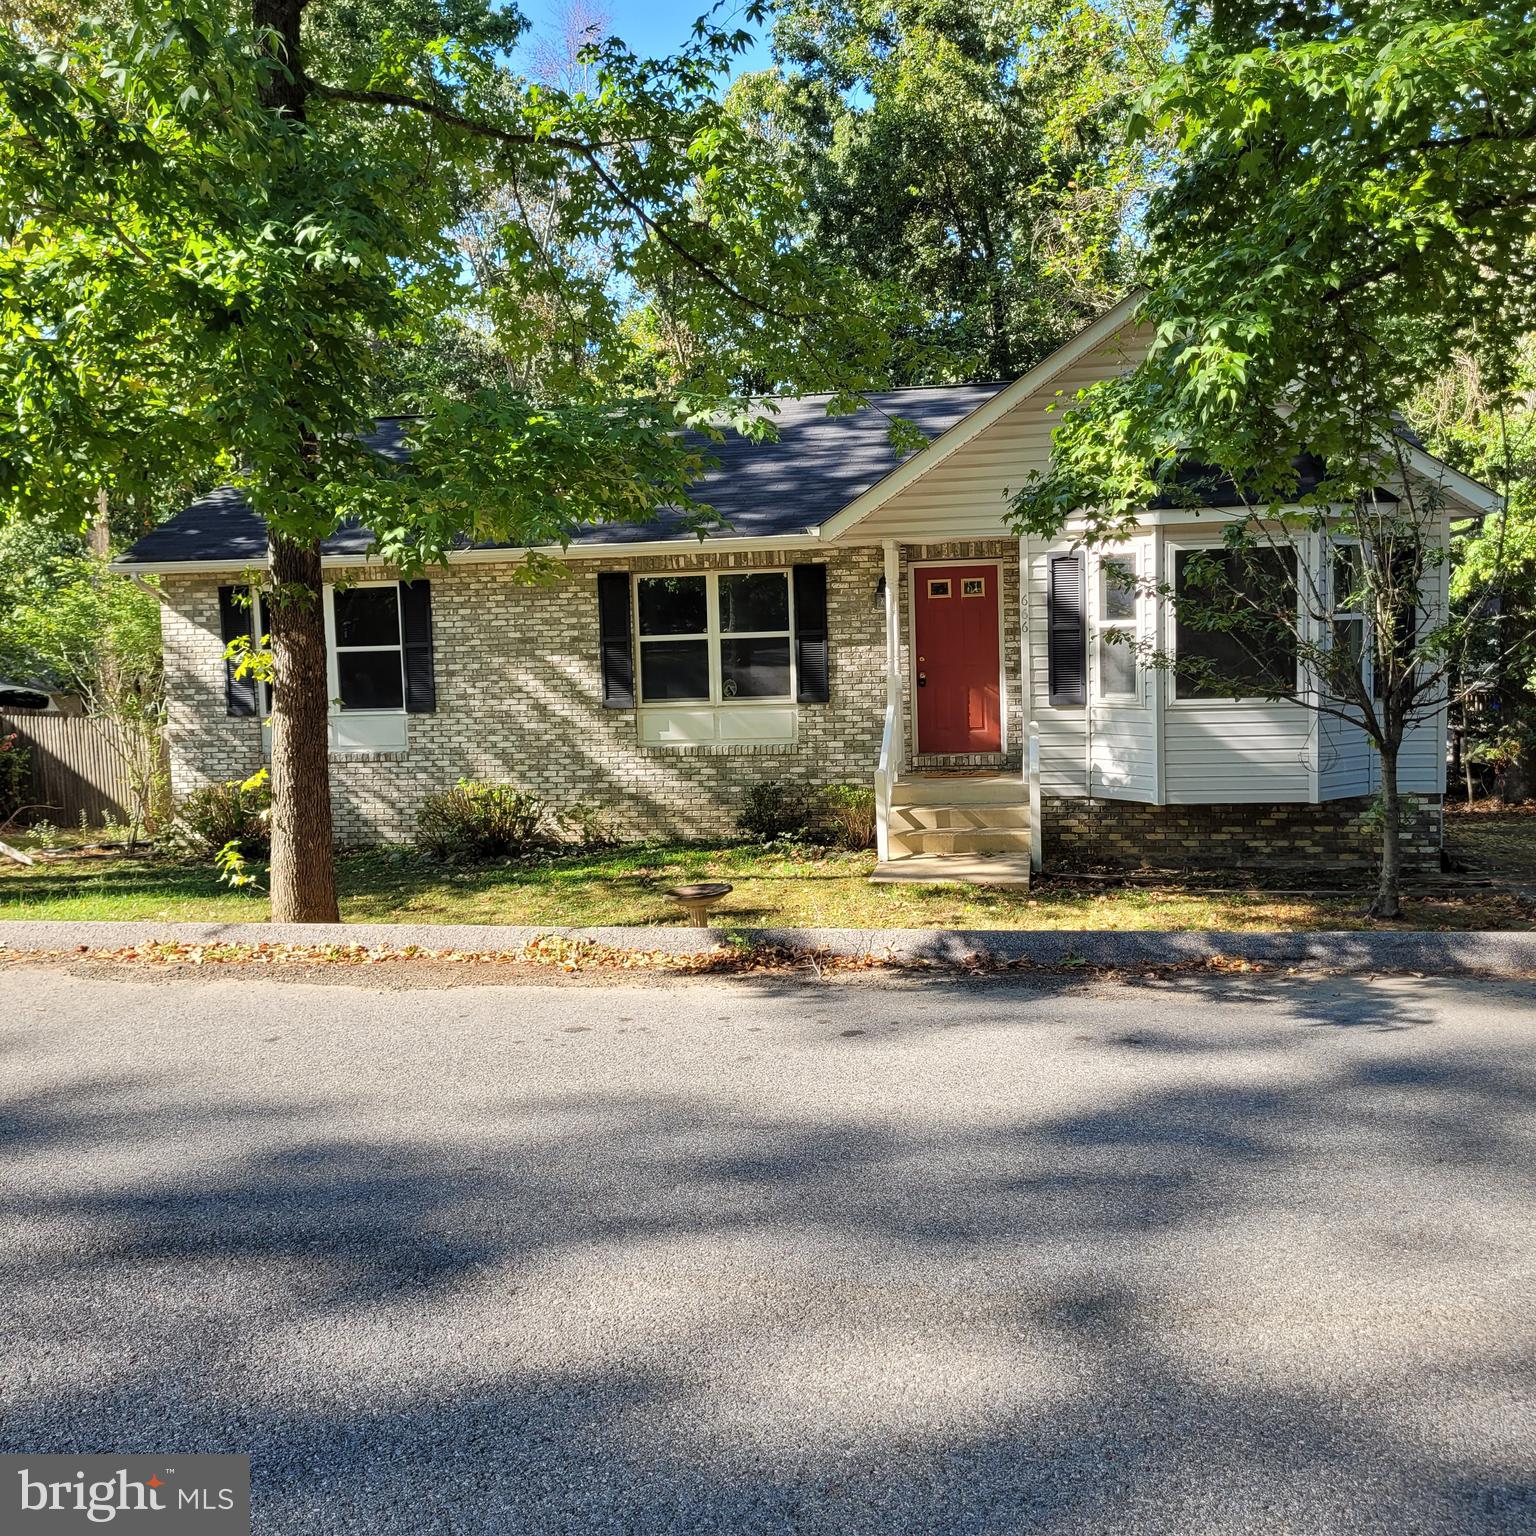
[850,811]
[776,808]
[589,825]
[219,815]
[15,771]
[481,821]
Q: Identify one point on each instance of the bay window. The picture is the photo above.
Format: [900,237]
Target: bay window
[1234,623]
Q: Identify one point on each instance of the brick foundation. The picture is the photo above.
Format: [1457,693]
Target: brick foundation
[1333,834]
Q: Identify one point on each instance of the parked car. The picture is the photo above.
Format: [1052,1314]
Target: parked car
[13,696]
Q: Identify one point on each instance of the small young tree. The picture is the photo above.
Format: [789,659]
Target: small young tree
[1352,211]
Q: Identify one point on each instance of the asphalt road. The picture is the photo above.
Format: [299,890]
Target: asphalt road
[1243,1255]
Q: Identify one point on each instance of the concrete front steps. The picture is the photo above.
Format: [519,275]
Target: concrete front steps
[972,828]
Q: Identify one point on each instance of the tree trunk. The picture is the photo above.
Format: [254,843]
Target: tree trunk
[1389,898]
[1513,778]
[303,869]
[285,89]
[303,875]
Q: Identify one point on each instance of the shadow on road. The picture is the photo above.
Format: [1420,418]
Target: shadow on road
[658,1311]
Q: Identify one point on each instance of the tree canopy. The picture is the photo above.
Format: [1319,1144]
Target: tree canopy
[224,219]
[198,273]
[968,163]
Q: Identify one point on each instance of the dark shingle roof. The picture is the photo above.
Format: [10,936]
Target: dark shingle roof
[763,490]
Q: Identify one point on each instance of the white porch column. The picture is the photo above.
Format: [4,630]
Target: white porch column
[892,751]
[893,642]
[1027,689]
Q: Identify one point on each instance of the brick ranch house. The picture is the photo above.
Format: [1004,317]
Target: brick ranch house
[859,620]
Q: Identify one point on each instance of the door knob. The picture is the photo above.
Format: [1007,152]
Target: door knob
[922,679]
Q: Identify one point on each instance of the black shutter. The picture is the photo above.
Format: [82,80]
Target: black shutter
[613,640]
[811,656]
[416,638]
[235,620]
[1066,631]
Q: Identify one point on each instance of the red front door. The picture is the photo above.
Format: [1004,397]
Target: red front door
[955,630]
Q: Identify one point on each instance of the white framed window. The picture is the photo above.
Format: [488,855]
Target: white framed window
[365,668]
[715,638]
[1245,653]
[1117,625]
[365,650]
[1347,604]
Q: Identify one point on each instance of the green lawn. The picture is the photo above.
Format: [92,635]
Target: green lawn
[772,887]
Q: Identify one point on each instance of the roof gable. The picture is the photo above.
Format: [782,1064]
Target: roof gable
[958,485]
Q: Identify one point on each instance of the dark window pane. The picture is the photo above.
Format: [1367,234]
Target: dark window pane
[1348,651]
[1349,639]
[1348,580]
[368,616]
[758,600]
[1117,665]
[754,669]
[1233,623]
[1119,590]
[370,680]
[674,669]
[673,605]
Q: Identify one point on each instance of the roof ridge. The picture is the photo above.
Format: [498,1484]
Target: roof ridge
[894,389]
[810,394]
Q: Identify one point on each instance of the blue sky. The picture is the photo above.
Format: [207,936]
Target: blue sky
[655,27]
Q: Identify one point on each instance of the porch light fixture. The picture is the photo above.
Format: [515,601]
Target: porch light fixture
[880,593]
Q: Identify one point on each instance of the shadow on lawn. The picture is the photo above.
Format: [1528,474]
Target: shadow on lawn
[118,880]
[621,1311]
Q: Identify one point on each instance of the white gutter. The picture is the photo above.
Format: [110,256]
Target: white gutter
[811,539]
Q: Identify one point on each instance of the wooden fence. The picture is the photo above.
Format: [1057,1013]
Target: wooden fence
[80,764]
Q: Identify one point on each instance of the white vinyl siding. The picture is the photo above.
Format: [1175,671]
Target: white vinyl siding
[965,496]
[1221,751]
[1063,732]
[1346,760]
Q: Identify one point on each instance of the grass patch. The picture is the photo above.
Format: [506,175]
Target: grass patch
[773,887]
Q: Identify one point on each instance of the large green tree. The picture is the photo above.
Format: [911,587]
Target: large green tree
[223,220]
[1353,209]
[968,160]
